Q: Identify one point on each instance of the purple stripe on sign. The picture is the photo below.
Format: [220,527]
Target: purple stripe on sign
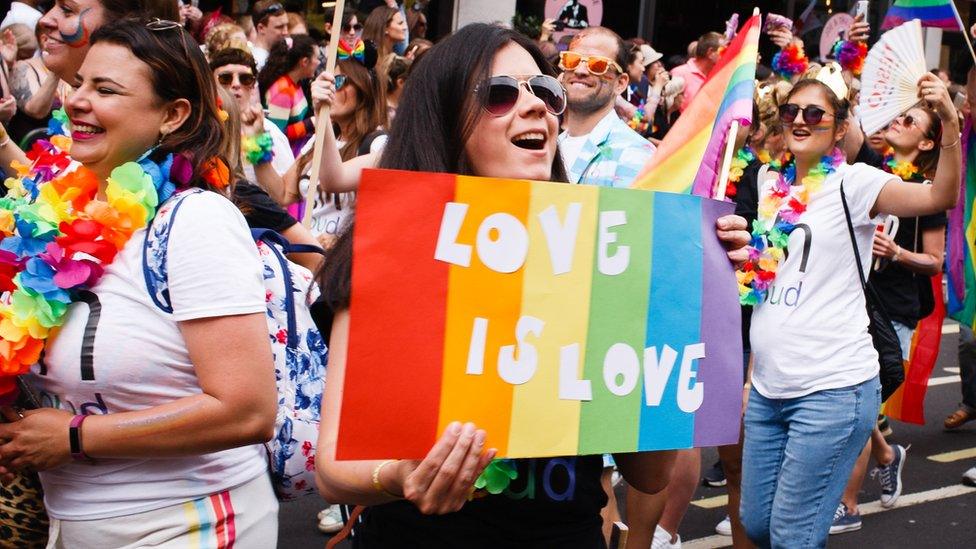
[717,421]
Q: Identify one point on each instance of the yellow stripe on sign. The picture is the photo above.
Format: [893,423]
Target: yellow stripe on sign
[556,290]
[949,457]
[712,503]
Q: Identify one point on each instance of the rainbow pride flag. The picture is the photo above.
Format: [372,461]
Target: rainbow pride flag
[689,158]
[562,319]
[932,13]
[961,238]
[908,402]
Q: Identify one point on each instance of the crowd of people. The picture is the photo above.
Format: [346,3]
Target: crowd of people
[151,384]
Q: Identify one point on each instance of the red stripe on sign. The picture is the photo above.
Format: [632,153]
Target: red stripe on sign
[397,317]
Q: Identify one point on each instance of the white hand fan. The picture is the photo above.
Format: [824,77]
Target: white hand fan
[889,82]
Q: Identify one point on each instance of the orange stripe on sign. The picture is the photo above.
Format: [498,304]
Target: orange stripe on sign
[481,292]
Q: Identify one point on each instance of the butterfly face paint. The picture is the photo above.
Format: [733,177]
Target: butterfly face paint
[78,38]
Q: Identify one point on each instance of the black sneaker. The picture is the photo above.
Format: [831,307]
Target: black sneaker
[714,477]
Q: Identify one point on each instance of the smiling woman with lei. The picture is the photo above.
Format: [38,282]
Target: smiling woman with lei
[815,389]
[146,414]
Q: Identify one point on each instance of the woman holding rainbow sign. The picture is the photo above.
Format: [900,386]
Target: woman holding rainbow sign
[487,104]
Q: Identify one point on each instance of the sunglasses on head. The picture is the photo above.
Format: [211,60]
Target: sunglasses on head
[812,114]
[500,94]
[598,65]
[273,9]
[227,78]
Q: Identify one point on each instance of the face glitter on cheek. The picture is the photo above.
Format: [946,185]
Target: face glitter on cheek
[78,38]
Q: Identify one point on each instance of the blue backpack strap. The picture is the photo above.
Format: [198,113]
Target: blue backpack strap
[277,244]
[154,250]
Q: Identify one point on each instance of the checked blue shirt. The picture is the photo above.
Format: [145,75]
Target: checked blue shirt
[612,156]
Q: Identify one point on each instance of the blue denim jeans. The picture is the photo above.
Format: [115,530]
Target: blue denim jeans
[798,455]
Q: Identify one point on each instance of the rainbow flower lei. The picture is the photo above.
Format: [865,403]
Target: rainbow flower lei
[743,157]
[56,238]
[906,171]
[850,55]
[779,210]
[790,61]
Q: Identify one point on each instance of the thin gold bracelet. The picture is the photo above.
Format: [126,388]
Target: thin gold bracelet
[953,144]
[376,479]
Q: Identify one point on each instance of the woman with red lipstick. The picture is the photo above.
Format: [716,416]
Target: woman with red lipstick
[152,421]
[469,101]
[815,389]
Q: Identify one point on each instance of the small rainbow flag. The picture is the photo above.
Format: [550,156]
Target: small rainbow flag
[689,158]
[932,13]
[908,402]
[562,319]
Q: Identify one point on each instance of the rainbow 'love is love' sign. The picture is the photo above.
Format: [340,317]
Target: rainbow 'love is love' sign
[562,319]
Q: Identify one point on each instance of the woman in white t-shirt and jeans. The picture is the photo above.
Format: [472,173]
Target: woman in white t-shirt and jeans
[815,388]
[153,422]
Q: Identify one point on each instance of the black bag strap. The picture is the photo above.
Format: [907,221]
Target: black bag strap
[850,229]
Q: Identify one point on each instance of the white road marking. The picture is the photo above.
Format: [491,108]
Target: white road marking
[712,503]
[951,370]
[907,500]
[933,381]
[950,328]
[949,457]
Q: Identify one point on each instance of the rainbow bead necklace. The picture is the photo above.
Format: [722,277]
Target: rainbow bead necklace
[780,208]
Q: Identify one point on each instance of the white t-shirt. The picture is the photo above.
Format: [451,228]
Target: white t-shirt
[21,13]
[331,213]
[283,157]
[140,360]
[811,332]
[570,147]
[260,56]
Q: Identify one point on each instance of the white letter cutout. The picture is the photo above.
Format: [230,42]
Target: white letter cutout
[448,250]
[520,371]
[476,350]
[561,237]
[507,253]
[656,373]
[690,398]
[570,386]
[621,360]
[617,263]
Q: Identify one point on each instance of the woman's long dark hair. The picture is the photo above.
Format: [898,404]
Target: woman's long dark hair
[439,108]
[178,70]
[284,55]
[438,111]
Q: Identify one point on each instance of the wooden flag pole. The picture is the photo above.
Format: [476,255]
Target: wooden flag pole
[321,115]
[723,178]
[965,32]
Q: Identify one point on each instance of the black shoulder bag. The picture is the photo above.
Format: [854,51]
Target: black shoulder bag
[892,368]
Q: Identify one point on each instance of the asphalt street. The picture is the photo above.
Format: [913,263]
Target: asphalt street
[935,510]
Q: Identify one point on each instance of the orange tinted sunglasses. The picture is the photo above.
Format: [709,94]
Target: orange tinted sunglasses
[596,64]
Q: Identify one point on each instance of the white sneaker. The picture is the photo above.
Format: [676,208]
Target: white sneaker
[969,477]
[724,528]
[330,520]
[662,539]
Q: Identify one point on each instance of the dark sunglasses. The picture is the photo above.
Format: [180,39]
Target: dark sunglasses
[340,81]
[227,78]
[348,27]
[500,94]
[908,120]
[812,114]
